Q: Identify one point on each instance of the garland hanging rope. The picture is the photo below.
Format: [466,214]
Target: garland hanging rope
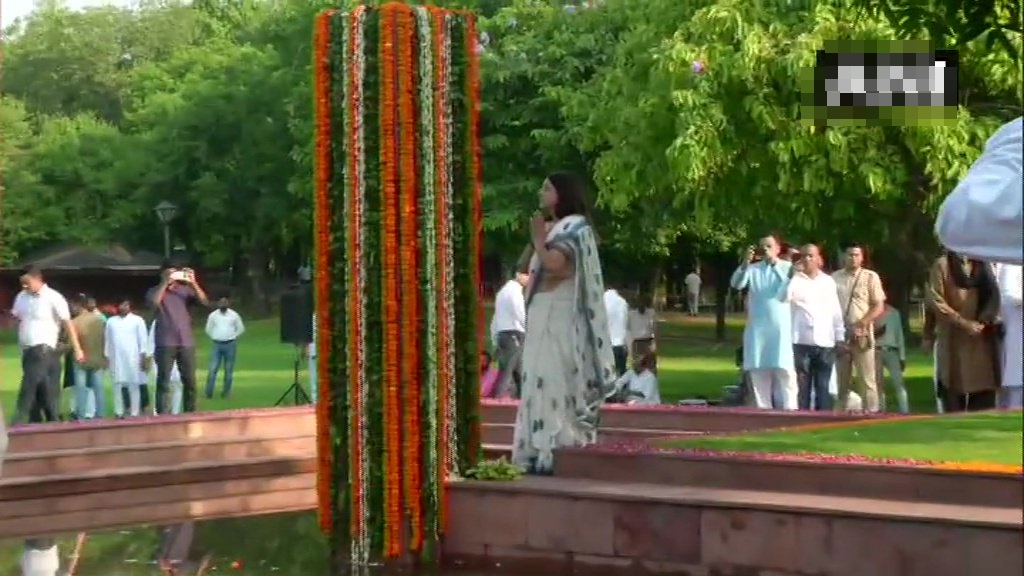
[398,241]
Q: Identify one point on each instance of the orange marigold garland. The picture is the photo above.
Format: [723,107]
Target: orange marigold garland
[410,310]
[322,180]
[389,278]
[391,137]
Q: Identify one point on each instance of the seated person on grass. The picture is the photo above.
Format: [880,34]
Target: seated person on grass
[639,386]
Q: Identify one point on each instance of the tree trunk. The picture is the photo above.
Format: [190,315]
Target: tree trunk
[657,294]
[256,270]
[722,268]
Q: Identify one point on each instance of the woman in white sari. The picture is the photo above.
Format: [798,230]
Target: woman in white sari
[568,366]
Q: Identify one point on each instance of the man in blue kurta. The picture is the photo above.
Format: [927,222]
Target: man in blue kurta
[768,337]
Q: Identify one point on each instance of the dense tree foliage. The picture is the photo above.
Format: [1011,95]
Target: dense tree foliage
[684,113]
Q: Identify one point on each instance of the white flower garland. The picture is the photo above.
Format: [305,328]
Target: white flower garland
[429,239]
[449,256]
[360,552]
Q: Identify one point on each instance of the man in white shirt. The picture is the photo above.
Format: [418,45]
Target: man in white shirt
[41,312]
[223,326]
[508,330]
[818,325]
[982,218]
[618,327]
[692,282]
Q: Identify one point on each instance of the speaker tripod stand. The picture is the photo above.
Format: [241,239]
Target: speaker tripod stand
[296,392]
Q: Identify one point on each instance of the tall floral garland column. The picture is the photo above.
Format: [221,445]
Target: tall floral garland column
[397,190]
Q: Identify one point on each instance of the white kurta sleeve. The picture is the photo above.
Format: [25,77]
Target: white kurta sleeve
[1010,285]
[108,342]
[143,337]
[983,218]
[151,339]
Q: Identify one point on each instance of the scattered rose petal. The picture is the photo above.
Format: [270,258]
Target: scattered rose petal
[638,447]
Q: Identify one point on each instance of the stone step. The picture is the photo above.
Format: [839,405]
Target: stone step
[573,525]
[167,473]
[495,451]
[684,418]
[55,515]
[111,457]
[503,434]
[738,472]
[263,423]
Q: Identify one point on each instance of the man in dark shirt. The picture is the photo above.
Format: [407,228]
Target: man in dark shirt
[174,342]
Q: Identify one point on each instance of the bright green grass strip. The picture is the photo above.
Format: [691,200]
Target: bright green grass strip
[690,364]
[990,438]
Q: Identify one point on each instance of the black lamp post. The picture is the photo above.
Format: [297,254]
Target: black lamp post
[165,212]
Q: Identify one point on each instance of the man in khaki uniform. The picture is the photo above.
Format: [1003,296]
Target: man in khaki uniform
[863,302]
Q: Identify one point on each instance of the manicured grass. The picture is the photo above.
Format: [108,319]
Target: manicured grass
[278,544]
[690,364]
[994,437]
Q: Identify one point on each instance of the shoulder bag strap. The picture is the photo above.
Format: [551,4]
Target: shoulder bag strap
[856,281]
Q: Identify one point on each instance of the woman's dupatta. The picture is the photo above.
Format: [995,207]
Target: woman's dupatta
[595,374]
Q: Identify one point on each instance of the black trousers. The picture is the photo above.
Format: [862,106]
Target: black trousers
[621,354]
[165,357]
[979,401]
[510,363]
[813,372]
[39,395]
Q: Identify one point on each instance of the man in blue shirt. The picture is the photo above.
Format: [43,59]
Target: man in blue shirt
[174,341]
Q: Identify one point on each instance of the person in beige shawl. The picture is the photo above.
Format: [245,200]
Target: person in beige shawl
[964,298]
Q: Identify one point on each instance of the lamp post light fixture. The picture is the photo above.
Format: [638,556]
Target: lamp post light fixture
[165,212]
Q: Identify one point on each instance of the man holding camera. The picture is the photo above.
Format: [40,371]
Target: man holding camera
[768,336]
[174,341]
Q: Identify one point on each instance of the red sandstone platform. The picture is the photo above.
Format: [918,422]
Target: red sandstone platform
[856,479]
[562,525]
[638,510]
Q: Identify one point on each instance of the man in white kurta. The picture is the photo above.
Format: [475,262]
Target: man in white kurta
[1010,287]
[982,218]
[126,356]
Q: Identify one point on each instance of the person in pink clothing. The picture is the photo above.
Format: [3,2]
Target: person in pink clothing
[488,375]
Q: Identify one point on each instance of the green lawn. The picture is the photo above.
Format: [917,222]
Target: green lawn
[990,437]
[690,364]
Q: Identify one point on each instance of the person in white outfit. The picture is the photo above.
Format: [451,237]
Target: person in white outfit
[173,379]
[1011,284]
[311,357]
[40,558]
[692,282]
[982,218]
[639,385]
[126,346]
[818,327]
[618,319]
